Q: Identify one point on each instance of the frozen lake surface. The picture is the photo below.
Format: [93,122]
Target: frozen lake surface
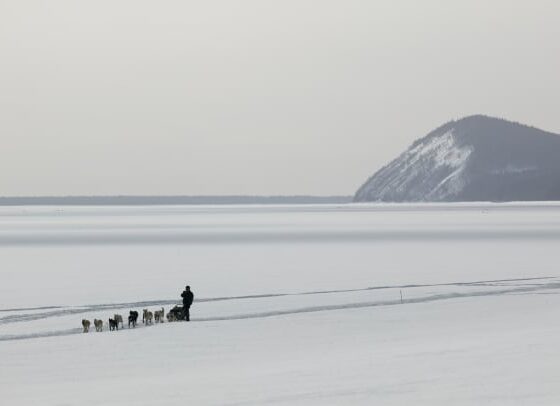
[294,304]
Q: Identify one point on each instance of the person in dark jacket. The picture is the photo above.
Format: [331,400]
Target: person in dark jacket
[188,298]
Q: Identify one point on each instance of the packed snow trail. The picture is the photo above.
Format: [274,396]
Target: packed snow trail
[492,349]
[414,294]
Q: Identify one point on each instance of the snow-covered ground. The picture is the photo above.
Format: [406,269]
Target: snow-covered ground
[294,304]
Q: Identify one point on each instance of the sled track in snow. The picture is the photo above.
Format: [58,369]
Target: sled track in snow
[358,305]
[510,286]
[60,311]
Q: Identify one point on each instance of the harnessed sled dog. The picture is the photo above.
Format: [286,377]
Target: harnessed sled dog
[158,315]
[147,317]
[132,318]
[113,325]
[85,325]
[98,325]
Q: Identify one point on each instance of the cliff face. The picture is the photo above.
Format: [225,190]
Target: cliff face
[477,158]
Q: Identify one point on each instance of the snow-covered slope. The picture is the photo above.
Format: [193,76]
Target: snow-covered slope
[477,158]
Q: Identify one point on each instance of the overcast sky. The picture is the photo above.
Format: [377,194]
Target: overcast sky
[255,97]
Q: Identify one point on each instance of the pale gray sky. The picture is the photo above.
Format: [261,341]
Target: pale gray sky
[255,97]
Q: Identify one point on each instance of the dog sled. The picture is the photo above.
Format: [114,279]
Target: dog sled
[176,313]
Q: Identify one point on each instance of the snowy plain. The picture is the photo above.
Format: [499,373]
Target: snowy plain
[294,304]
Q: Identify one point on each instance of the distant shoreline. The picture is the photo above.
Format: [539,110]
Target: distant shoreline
[167,200]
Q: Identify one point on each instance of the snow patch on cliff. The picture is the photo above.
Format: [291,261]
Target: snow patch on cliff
[513,169]
[431,168]
[442,151]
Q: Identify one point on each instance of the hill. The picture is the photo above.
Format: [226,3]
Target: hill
[477,158]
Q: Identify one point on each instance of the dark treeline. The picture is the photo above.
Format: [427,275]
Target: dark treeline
[166,200]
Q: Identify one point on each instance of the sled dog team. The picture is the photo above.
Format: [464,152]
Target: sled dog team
[148,317]
[175,314]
